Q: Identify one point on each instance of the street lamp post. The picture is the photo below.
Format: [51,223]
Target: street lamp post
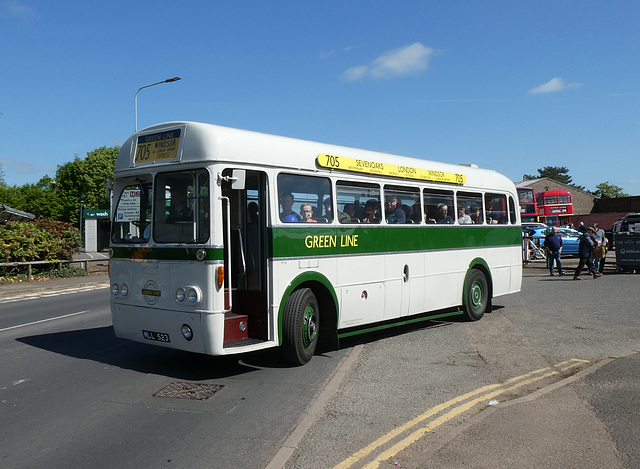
[80,224]
[135,99]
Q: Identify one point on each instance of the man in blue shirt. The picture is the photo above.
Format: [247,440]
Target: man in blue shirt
[395,214]
[553,244]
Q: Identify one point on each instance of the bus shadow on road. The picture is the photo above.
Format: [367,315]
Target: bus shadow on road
[102,346]
[395,331]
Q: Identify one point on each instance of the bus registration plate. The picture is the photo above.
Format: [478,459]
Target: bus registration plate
[157,336]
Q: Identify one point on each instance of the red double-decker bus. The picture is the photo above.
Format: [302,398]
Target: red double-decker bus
[528,206]
[555,207]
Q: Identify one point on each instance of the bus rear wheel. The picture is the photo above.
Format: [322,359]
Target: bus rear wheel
[476,295]
[301,324]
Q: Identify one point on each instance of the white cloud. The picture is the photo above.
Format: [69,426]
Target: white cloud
[326,54]
[23,167]
[330,53]
[397,62]
[553,86]
[20,10]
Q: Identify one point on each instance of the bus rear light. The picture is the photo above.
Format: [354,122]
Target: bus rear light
[220,278]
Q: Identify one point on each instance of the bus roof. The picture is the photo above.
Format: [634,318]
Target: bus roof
[196,142]
[554,192]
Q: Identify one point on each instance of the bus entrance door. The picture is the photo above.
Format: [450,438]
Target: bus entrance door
[248,255]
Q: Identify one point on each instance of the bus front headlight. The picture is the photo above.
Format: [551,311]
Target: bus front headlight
[180,295]
[193,295]
[187,332]
[115,289]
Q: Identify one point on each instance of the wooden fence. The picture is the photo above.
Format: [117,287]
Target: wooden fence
[29,265]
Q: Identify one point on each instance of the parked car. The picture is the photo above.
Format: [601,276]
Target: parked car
[628,223]
[570,238]
[531,224]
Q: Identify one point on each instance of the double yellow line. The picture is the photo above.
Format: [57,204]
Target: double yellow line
[423,424]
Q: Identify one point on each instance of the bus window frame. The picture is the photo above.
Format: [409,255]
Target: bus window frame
[195,226]
[146,188]
[286,187]
[372,196]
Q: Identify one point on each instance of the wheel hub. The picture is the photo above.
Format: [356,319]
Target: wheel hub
[477,296]
[309,326]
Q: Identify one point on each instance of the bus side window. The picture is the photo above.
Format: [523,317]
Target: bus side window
[512,211]
[405,199]
[438,206]
[307,194]
[472,203]
[496,207]
[360,202]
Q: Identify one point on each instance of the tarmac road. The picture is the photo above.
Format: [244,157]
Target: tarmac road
[462,395]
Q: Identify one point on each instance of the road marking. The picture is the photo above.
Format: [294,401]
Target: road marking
[44,320]
[473,398]
[48,294]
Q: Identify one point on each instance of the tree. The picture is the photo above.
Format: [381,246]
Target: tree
[59,198]
[85,180]
[2,184]
[604,190]
[557,173]
[39,199]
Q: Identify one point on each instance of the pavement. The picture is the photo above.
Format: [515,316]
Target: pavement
[554,427]
[551,428]
[22,289]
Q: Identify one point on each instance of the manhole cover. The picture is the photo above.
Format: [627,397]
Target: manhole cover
[188,390]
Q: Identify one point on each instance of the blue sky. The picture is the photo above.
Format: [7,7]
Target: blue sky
[508,85]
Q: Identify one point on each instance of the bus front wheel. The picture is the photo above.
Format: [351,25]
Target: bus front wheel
[301,324]
[476,295]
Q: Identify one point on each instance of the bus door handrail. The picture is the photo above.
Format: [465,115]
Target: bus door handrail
[242,254]
[227,275]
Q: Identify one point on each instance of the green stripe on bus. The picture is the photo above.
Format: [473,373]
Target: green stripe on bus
[178,253]
[332,241]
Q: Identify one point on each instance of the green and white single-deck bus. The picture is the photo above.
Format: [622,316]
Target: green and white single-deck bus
[226,241]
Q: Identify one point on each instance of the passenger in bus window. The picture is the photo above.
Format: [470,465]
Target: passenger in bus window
[350,210]
[476,215]
[179,210]
[371,212]
[463,218]
[493,215]
[307,213]
[443,214]
[287,214]
[328,210]
[395,214]
[252,212]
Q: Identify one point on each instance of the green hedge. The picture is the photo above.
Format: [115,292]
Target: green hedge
[42,240]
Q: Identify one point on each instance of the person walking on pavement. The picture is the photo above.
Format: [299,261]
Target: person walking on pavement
[584,253]
[599,254]
[553,244]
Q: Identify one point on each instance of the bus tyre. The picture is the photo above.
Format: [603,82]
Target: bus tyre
[476,293]
[301,324]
